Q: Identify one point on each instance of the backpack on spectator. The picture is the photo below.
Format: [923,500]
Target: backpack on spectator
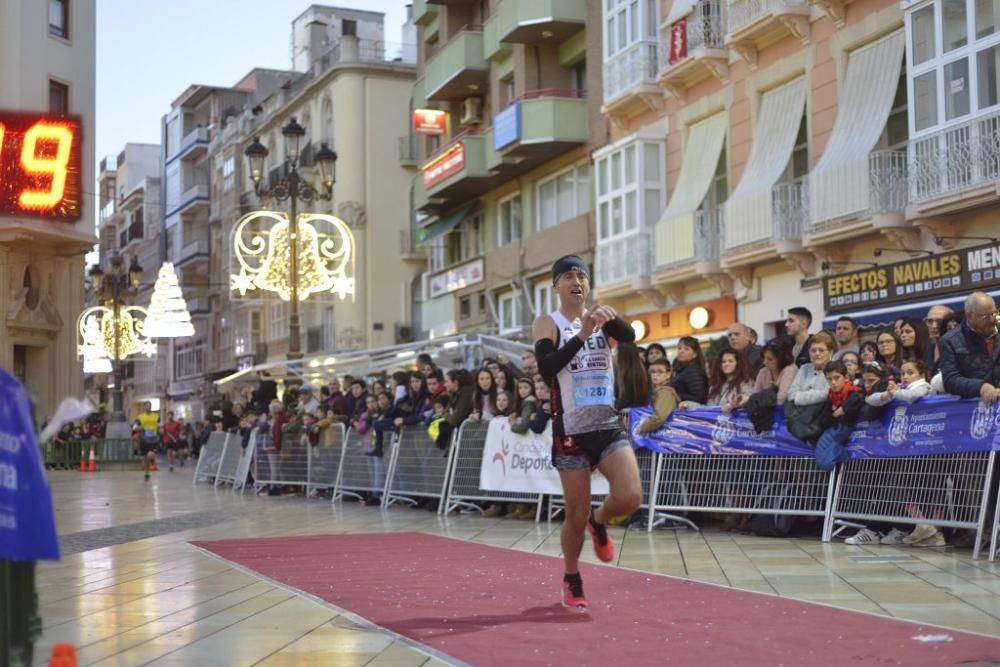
[773,497]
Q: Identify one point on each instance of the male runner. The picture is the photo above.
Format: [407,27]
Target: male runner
[172,430]
[149,437]
[574,357]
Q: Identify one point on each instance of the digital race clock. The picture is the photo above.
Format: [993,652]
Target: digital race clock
[40,166]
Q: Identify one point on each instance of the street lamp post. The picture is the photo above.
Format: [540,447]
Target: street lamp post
[292,188]
[112,289]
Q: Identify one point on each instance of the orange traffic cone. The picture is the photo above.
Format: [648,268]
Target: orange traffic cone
[63,655]
[92,463]
[84,466]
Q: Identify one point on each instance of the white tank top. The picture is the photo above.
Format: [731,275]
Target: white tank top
[584,391]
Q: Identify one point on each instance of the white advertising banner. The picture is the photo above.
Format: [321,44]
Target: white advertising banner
[523,463]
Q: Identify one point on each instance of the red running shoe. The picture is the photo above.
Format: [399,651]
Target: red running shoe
[603,546]
[572,593]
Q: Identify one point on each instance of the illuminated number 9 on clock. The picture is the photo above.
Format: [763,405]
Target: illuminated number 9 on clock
[40,167]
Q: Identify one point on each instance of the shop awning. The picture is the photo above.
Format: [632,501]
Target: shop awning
[773,142]
[442,225]
[885,316]
[701,157]
[838,184]
[679,9]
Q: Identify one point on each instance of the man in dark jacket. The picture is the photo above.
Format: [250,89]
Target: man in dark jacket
[797,326]
[970,356]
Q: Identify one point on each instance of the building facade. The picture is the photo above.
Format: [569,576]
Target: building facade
[508,188]
[47,63]
[129,223]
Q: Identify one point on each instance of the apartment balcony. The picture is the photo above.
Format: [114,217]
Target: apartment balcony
[420,94]
[456,173]
[623,265]
[408,250]
[955,169]
[630,85]
[493,48]
[694,48]
[408,150]
[539,21]
[688,245]
[193,200]
[767,225]
[423,12]
[195,253]
[852,198]
[107,211]
[194,146]
[756,24]
[541,124]
[459,69]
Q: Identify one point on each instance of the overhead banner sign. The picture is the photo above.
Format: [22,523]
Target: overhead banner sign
[456,278]
[966,270]
[430,121]
[933,425]
[507,126]
[523,463]
[447,164]
[678,41]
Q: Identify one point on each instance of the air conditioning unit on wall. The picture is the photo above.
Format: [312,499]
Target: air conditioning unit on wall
[472,111]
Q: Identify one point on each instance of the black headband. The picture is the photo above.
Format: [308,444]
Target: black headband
[569,263]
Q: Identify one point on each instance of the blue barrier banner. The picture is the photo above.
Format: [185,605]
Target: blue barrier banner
[27,524]
[932,425]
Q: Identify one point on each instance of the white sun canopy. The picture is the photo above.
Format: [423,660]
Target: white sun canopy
[748,211]
[701,157]
[838,184]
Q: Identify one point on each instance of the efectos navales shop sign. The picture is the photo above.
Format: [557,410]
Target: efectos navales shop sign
[962,270]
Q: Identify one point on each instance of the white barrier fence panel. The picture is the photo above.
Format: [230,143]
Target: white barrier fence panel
[246,461]
[232,456]
[466,466]
[361,472]
[210,457]
[945,490]
[418,468]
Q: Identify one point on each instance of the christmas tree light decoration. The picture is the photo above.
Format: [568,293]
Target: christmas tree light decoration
[168,312]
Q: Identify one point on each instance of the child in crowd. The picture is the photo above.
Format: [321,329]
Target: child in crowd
[528,406]
[913,385]
[436,418]
[544,412]
[505,404]
[664,398]
[845,403]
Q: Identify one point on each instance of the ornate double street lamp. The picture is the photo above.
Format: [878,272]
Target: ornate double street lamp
[114,330]
[292,257]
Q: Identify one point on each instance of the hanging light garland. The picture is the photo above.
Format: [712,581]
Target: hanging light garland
[168,312]
[261,256]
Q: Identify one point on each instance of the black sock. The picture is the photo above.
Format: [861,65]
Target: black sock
[574,578]
[593,522]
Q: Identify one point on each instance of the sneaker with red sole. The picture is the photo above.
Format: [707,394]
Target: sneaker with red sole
[603,546]
[572,593]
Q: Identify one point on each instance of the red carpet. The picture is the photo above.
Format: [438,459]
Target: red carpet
[491,606]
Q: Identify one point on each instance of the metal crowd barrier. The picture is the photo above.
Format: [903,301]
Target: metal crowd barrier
[324,458]
[944,490]
[361,473]
[996,527]
[232,457]
[463,481]
[210,457]
[774,485]
[417,468]
[289,467]
[66,455]
[246,461]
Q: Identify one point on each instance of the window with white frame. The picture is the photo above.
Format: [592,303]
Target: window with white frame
[544,298]
[627,22]
[279,319]
[563,197]
[471,234]
[629,188]
[896,132]
[228,173]
[436,255]
[798,163]
[509,220]
[507,312]
[953,60]
[189,359]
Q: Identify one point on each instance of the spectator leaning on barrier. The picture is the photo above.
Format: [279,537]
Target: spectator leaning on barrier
[740,340]
[529,364]
[970,356]
[890,350]
[915,338]
[937,326]
[527,405]
[797,326]
[809,391]
[846,334]
[690,380]
[846,401]
[779,369]
[664,399]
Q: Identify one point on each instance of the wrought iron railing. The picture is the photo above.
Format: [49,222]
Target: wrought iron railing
[790,209]
[634,66]
[887,191]
[742,13]
[955,159]
[408,148]
[707,234]
[706,28]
